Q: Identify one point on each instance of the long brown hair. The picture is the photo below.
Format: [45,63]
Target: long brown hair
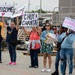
[50,25]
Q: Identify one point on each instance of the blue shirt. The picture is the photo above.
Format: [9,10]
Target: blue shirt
[11,34]
[68,41]
[60,37]
[44,34]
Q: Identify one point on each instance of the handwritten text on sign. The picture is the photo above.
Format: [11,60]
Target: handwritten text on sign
[69,23]
[7,10]
[30,19]
[19,12]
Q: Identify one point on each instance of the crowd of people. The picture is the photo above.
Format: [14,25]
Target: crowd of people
[65,51]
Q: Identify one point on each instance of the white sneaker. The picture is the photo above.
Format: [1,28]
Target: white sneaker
[49,70]
[43,70]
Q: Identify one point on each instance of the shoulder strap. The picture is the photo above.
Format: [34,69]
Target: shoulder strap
[64,38]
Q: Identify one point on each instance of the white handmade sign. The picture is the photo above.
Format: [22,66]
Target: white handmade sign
[51,38]
[69,23]
[30,19]
[19,12]
[6,10]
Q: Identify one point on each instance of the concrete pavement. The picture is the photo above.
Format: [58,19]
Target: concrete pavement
[22,67]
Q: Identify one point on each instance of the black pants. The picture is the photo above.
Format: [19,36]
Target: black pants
[12,52]
[0,52]
[34,57]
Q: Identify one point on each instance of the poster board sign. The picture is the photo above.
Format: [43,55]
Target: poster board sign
[52,38]
[7,10]
[30,20]
[19,12]
[69,23]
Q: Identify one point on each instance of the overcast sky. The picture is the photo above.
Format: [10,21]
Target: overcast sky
[35,4]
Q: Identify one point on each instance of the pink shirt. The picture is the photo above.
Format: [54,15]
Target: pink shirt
[34,36]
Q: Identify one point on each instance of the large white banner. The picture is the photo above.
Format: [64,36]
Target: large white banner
[69,23]
[30,19]
[6,10]
[19,12]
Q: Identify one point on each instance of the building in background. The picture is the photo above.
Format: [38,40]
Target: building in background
[66,8]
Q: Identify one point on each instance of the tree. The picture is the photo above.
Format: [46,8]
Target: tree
[42,11]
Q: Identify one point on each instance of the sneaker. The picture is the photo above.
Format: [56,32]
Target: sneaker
[0,61]
[43,70]
[63,74]
[10,63]
[31,66]
[55,73]
[35,66]
[14,63]
[49,70]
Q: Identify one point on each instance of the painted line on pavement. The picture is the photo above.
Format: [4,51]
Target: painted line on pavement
[17,71]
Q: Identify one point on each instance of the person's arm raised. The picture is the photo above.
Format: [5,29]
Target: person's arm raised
[17,23]
[4,24]
[39,30]
[27,32]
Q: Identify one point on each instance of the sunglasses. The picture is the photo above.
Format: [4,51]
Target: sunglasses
[47,25]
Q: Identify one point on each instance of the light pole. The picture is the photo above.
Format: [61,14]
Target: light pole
[14,6]
[70,6]
[54,13]
[28,5]
[5,3]
[37,7]
[40,6]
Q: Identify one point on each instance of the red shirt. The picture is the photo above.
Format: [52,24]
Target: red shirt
[35,36]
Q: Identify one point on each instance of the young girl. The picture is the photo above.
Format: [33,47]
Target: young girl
[46,49]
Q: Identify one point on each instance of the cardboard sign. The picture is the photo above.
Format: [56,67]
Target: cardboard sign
[69,23]
[6,10]
[19,12]
[30,19]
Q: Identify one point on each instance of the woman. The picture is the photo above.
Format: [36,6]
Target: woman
[61,36]
[34,45]
[66,52]
[46,49]
[11,39]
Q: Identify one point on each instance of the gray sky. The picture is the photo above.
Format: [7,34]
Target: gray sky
[35,4]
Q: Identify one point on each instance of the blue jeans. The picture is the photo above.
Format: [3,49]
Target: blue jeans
[0,52]
[34,57]
[57,60]
[12,52]
[66,54]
